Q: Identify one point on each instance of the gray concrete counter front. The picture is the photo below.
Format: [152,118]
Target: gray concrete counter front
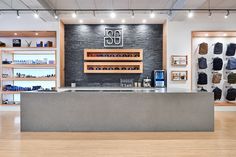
[128,110]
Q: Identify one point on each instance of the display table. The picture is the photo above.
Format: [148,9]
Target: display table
[117,109]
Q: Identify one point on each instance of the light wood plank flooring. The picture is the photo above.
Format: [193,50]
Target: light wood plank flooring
[221,143]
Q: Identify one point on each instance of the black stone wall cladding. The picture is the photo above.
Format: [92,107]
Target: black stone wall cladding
[79,37]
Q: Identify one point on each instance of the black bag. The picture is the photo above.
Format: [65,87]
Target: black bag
[231,65]
[217,93]
[218,48]
[202,63]
[202,79]
[217,63]
[231,49]
[231,94]
[232,78]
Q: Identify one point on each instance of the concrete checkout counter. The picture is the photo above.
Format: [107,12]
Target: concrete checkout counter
[117,109]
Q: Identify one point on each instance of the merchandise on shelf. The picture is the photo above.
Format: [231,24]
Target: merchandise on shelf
[2,44]
[202,63]
[217,93]
[203,48]
[16,42]
[231,94]
[231,49]
[218,48]
[19,75]
[19,88]
[231,64]
[217,64]
[232,78]
[202,78]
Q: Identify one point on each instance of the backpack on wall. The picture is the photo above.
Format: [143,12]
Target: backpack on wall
[217,93]
[231,49]
[231,65]
[202,63]
[218,48]
[217,63]
[202,78]
[216,78]
[232,78]
[203,48]
[231,94]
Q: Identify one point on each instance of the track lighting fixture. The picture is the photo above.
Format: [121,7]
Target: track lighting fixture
[190,14]
[74,14]
[55,15]
[227,14]
[17,14]
[36,14]
[152,15]
[113,15]
[209,13]
[132,14]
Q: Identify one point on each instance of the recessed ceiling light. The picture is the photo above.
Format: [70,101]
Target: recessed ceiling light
[81,21]
[36,34]
[225,34]
[206,34]
[74,15]
[123,20]
[36,14]
[113,15]
[152,15]
[190,14]
[101,21]
[15,34]
[144,21]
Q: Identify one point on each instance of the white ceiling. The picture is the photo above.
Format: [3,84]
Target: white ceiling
[88,17]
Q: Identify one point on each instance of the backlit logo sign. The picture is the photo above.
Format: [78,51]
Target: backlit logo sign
[113,37]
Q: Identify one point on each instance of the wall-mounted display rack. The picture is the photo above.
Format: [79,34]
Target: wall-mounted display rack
[179,60]
[179,75]
[27,66]
[113,54]
[113,61]
[211,38]
[113,67]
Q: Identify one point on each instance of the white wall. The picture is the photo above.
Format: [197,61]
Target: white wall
[179,41]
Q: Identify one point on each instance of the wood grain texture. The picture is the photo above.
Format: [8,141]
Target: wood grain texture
[221,143]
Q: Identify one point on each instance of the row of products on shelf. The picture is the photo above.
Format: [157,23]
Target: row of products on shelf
[217,63]
[113,55]
[29,61]
[216,78]
[230,94]
[17,43]
[20,75]
[112,68]
[218,49]
[146,82]
[19,88]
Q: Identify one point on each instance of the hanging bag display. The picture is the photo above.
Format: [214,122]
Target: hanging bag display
[202,63]
[218,48]
[231,65]
[217,63]
[231,94]
[232,78]
[217,93]
[231,49]
[202,78]
[216,78]
[203,48]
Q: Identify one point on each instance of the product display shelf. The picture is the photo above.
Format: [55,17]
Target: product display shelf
[105,67]
[113,54]
[29,66]
[212,37]
[29,79]
[17,49]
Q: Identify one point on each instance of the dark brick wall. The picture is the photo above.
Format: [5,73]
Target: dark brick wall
[78,37]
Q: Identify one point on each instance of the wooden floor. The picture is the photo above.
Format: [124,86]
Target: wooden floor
[221,143]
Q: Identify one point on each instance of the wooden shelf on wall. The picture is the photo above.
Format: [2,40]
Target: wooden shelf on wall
[127,66]
[30,79]
[224,34]
[113,54]
[36,34]
[29,66]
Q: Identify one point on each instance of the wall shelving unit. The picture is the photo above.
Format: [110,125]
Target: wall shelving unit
[29,53]
[113,61]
